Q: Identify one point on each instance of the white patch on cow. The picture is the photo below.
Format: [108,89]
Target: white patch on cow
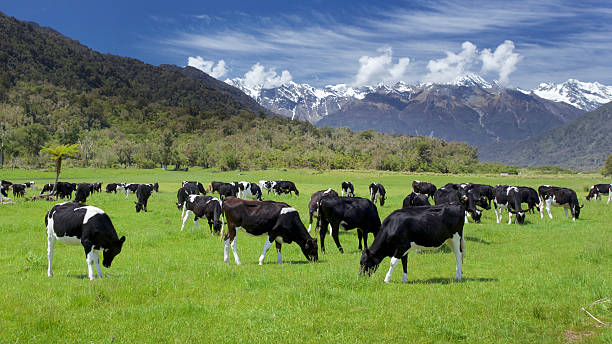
[50,244]
[267,246]
[235,251]
[457,245]
[392,265]
[327,191]
[192,198]
[226,246]
[187,214]
[309,227]
[91,211]
[287,210]
[93,257]
[343,224]
[68,240]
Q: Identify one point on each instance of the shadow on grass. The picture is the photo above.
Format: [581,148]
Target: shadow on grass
[478,240]
[440,280]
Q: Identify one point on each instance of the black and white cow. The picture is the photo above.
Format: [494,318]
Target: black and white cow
[347,187]
[416,228]
[96,187]
[285,187]
[278,220]
[114,187]
[4,186]
[130,188]
[82,192]
[313,206]
[47,188]
[198,185]
[30,185]
[143,192]
[183,195]
[500,201]
[204,206]
[78,224]
[479,191]
[598,189]
[424,188]
[224,189]
[65,189]
[448,194]
[348,213]
[416,199]
[559,197]
[514,205]
[250,190]
[267,185]
[377,192]
[18,190]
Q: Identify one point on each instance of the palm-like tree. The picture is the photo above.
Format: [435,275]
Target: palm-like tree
[58,153]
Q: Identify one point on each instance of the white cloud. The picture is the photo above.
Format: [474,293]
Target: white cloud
[377,69]
[447,69]
[503,61]
[208,67]
[258,76]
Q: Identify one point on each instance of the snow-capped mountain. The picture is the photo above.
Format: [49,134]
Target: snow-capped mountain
[583,95]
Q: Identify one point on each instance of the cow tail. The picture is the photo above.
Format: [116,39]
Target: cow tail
[222,224]
[462,247]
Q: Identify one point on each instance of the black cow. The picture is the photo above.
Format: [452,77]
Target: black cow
[224,189]
[204,206]
[65,189]
[285,187]
[348,213]
[18,190]
[198,185]
[347,187]
[4,186]
[143,192]
[416,228]
[416,199]
[313,205]
[114,187]
[155,187]
[73,224]
[82,192]
[130,188]
[250,190]
[377,192]
[424,188]
[559,197]
[598,189]
[279,220]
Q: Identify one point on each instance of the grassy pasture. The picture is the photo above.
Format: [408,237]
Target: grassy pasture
[521,283]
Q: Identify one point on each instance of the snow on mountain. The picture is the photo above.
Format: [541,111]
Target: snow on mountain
[583,95]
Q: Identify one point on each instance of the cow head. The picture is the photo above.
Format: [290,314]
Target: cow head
[110,253]
[476,215]
[311,250]
[368,264]
[520,216]
[577,208]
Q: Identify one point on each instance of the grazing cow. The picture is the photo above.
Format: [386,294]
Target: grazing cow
[424,188]
[4,186]
[500,201]
[596,190]
[347,187]
[285,187]
[198,185]
[82,192]
[18,190]
[267,184]
[416,199]
[224,189]
[279,220]
[143,192]
[29,185]
[47,188]
[377,192]
[114,187]
[313,205]
[73,224]
[514,205]
[559,197]
[183,195]
[204,206]
[479,190]
[348,213]
[96,187]
[130,188]
[416,228]
[250,190]
[448,194]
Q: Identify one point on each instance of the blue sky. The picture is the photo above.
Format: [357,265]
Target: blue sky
[520,43]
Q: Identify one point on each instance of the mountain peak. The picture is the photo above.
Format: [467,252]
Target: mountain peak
[583,95]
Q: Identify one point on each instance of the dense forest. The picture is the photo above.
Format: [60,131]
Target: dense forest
[123,112]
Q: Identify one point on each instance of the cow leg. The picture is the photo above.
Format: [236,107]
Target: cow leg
[267,246]
[405,268]
[50,247]
[466,217]
[509,216]
[97,261]
[189,212]
[322,234]
[565,210]
[235,251]
[393,263]
[195,221]
[89,258]
[548,202]
[609,197]
[359,238]
[310,223]
[279,258]
[456,246]
[336,239]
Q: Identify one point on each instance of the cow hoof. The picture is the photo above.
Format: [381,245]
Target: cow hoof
[49,275]
[341,250]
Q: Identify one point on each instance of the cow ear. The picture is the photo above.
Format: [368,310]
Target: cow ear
[122,240]
[135,202]
[581,206]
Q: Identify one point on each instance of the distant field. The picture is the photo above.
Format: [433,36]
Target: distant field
[521,283]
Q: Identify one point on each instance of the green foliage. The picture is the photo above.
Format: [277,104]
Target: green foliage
[607,170]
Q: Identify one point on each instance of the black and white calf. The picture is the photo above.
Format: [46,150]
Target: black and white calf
[96,187]
[278,220]
[29,185]
[559,197]
[313,205]
[114,187]
[415,199]
[183,195]
[203,206]
[424,188]
[377,192]
[82,192]
[347,187]
[130,188]
[77,224]
[199,187]
[267,185]
[143,192]
[600,189]
[348,213]
[285,187]
[250,190]
[416,228]
[18,190]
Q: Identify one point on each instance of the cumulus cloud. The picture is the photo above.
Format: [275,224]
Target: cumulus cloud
[377,69]
[258,76]
[447,69]
[503,61]
[209,67]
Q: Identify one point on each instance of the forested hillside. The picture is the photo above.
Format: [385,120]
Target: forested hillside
[124,112]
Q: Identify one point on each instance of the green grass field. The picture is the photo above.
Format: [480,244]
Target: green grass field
[521,283]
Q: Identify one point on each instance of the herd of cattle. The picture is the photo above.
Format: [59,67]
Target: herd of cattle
[417,225]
